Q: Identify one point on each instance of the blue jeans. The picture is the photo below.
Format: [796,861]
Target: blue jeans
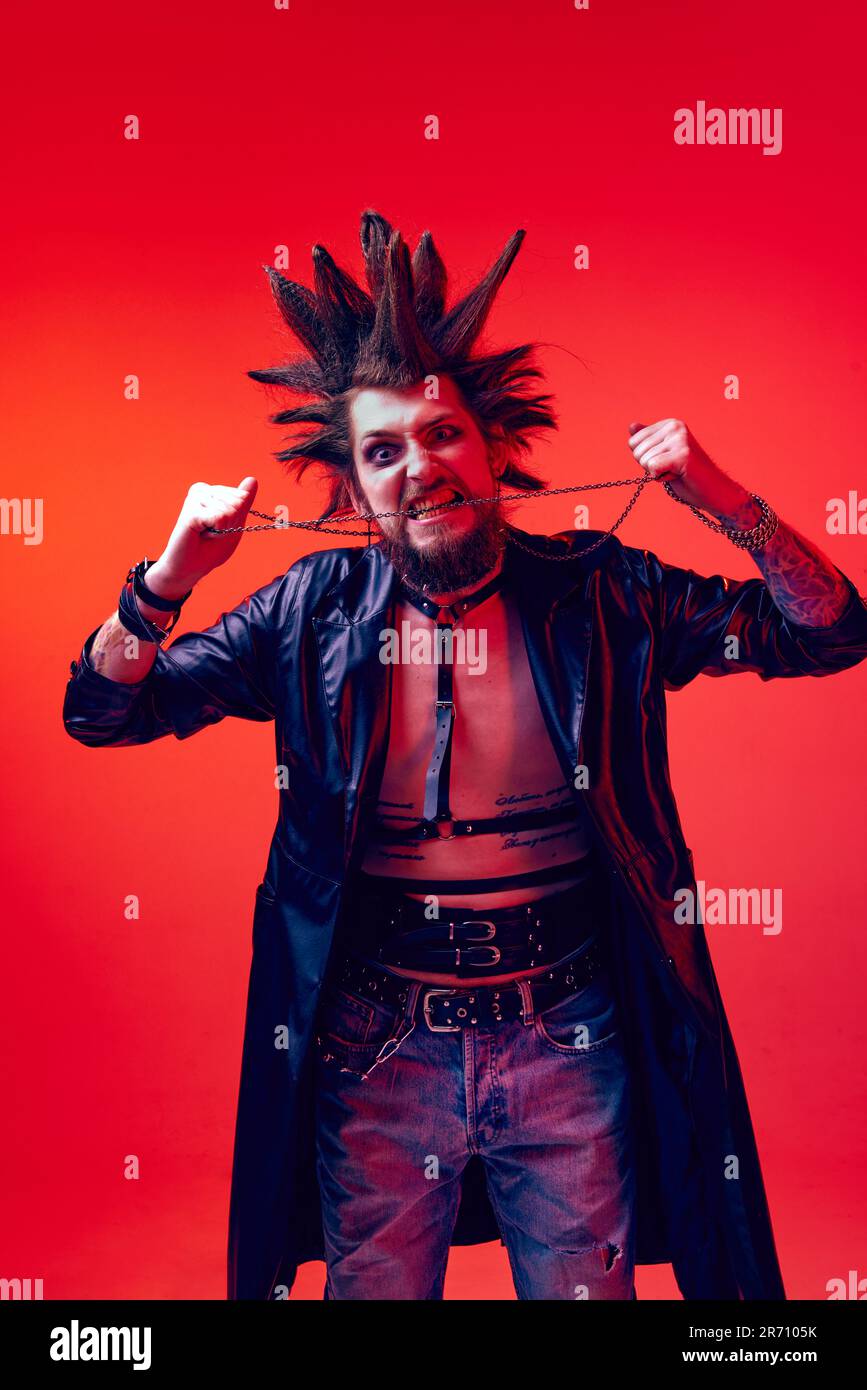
[545,1101]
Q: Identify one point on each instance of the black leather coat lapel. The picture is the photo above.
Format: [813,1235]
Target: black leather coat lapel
[349,625]
[558,626]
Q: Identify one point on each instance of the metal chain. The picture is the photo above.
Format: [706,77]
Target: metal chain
[750,539]
[324,528]
[602,539]
[753,539]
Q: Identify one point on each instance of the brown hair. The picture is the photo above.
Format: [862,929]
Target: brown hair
[395,336]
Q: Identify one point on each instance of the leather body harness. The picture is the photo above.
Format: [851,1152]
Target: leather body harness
[390,928]
[438,820]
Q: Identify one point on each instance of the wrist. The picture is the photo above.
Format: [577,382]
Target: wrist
[151,615]
[162,582]
[750,537]
[734,505]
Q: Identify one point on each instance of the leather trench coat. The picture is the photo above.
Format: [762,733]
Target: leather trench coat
[607,635]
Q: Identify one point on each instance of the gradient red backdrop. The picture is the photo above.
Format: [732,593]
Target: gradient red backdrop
[262,127]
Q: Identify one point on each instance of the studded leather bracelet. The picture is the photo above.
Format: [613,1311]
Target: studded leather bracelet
[128,610]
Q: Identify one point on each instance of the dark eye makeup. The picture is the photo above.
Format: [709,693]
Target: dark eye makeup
[373,449]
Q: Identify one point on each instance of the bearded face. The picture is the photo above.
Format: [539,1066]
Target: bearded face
[424,456]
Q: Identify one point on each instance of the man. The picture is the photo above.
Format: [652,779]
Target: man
[473,1009]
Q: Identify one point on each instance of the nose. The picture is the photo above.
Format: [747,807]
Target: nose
[421,468]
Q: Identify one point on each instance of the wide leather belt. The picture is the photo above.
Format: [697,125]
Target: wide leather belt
[449,1010]
[396,931]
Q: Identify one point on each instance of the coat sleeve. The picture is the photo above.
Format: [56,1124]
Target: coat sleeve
[226,669]
[698,616]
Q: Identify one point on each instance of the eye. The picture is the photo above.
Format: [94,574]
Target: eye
[374,449]
[454,430]
[373,452]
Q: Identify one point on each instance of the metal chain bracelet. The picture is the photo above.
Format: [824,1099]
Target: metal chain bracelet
[753,539]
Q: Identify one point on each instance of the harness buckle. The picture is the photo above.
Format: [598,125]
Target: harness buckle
[465,954]
[479,922]
[462,955]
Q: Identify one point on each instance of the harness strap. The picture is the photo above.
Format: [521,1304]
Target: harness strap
[507,824]
[436,810]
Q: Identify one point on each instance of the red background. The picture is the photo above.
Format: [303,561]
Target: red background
[260,127]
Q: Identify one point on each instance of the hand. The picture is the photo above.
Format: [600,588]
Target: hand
[668,450]
[192,551]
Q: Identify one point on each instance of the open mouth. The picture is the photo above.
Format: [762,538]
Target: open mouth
[434,505]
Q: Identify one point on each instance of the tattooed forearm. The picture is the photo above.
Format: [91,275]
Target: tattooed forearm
[803,582]
[116,654]
[108,641]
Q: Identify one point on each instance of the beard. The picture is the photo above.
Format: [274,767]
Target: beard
[449,562]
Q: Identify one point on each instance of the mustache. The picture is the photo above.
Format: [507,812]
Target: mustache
[418,499]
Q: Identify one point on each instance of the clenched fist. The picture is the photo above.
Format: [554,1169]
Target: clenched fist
[668,450]
[192,551]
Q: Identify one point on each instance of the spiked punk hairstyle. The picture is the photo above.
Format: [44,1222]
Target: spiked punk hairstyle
[396,335]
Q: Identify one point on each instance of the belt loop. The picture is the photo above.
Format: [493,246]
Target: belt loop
[527,1000]
[415,989]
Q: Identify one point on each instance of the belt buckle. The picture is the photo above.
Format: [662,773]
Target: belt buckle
[438,1027]
[479,922]
[489,936]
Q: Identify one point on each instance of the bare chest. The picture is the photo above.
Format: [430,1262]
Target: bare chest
[502,758]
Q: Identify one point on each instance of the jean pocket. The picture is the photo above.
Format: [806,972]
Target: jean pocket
[583,1023]
[346,1023]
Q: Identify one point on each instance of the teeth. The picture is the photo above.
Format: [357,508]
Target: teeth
[440,499]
